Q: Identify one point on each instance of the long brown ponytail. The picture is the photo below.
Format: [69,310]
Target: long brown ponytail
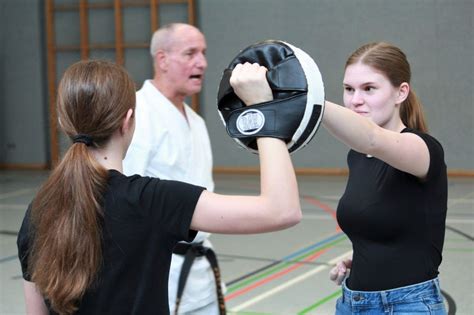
[66,252]
[391,61]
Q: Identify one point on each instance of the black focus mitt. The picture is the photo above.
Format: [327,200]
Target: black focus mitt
[297,107]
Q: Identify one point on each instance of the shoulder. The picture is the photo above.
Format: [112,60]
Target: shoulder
[139,189]
[148,114]
[143,104]
[129,186]
[437,163]
[164,203]
[191,112]
[134,194]
[148,95]
[434,146]
[142,92]
[134,184]
[195,117]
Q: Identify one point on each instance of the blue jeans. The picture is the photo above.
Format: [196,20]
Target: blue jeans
[421,298]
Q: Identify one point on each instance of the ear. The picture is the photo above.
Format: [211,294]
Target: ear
[128,122]
[161,60]
[403,91]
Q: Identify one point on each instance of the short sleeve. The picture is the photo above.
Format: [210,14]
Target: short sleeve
[437,163]
[179,202]
[23,244]
[169,205]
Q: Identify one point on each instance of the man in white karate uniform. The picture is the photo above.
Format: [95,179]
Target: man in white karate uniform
[171,142]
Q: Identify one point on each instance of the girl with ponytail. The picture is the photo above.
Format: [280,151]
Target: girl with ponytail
[66,213]
[395,202]
[394,205]
[94,241]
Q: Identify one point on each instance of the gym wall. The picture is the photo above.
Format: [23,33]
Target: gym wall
[436,35]
[23,93]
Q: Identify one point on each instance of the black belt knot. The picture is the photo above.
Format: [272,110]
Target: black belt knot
[197,248]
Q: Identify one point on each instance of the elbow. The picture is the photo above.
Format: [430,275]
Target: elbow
[296,217]
[281,211]
[290,216]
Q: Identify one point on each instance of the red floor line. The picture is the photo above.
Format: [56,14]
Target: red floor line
[269,278]
[325,207]
[274,276]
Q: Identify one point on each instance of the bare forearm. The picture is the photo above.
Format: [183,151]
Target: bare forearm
[278,179]
[277,207]
[357,132]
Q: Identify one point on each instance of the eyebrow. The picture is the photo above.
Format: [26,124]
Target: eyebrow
[194,48]
[363,84]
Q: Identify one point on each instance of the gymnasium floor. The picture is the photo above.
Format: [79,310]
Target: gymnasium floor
[277,273]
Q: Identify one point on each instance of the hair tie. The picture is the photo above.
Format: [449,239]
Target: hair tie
[87,140]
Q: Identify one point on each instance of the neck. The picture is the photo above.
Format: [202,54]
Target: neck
[175,98]
[395,124]
[111,155]
[109,160]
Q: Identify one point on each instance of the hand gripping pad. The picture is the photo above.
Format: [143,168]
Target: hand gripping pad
[297,107]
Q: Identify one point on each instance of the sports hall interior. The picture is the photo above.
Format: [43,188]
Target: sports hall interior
[278,273]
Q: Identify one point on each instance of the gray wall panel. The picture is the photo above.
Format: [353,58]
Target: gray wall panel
[23,118]
[437,36]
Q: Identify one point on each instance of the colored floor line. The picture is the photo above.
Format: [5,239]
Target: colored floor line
[272,277]
[292,258]
[252,273]
[320,302]
[325,207]
[315,202]
[337,293]
[306,252]
[269,276]
[289,283]
[319,204]
[280,265]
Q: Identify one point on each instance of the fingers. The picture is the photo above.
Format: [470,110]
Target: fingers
[248,73]
[339,272]
[250,83]
[333,274]
[348,263]
[244,71]
[340,278]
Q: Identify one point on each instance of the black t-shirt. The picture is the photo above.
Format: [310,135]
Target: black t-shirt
[143,219]
[396,221]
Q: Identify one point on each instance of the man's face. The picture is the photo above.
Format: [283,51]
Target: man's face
[186,61]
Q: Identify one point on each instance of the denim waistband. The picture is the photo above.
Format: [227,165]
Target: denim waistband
[412,292]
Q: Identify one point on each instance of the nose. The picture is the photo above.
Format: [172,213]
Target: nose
[201,61]
[357,99]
